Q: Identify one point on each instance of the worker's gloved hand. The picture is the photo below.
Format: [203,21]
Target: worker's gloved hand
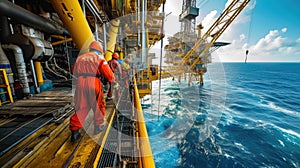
[116,86]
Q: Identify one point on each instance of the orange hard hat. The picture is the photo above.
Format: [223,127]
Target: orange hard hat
[115,55]
[95,45]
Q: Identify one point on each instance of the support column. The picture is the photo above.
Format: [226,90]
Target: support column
[113,32]
[38,71]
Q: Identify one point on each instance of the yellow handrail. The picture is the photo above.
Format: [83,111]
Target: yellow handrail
[146,152]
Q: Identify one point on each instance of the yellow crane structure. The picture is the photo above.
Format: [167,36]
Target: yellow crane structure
[215,31]
[199,53]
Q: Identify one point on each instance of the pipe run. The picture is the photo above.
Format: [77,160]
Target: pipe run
[71,14]
[25,17]
[21,66]
[113,32]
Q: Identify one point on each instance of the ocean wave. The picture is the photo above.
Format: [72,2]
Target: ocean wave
[273,106]
[287,131]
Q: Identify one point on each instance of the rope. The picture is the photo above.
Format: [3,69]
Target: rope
[160,63]
[249,34]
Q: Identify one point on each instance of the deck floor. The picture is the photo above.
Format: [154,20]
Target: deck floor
[47,144]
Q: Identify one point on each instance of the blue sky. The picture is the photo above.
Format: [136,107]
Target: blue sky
[269,29]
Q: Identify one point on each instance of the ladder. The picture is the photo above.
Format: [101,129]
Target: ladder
[5,91]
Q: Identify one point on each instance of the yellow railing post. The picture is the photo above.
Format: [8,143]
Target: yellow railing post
[6,86]
[38,71]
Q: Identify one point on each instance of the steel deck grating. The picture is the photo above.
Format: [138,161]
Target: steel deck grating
[19,131]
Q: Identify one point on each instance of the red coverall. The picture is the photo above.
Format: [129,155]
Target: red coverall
[125,74]
[89,94]
[116,68]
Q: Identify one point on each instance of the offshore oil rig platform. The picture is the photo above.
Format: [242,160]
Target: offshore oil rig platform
[39,43]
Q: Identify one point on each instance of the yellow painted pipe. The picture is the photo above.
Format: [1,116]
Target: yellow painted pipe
[113,32]
[61,42]
[121,55]
[113,4]
[147,38]
[75,22]
[97,4]
[38,71]
[58,37]
[146,152]
[127,6]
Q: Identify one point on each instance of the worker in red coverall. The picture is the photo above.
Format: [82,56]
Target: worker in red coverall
[116,68]
[88,69]
[125,70]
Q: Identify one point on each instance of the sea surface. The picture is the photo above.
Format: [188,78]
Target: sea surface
[245,115]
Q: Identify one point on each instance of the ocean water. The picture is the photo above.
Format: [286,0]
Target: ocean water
[245,115]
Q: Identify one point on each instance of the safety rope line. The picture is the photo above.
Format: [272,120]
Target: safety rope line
[249,32]
[160,63]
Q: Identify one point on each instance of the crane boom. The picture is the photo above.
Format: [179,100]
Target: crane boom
[219,26]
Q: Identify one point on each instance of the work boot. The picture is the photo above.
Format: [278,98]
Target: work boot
[98,129]
[75,135]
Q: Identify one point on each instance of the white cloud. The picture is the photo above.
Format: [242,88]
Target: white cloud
[284,30]
[270,42]
[272,47]
[209,19]
[173,6]
[242,37]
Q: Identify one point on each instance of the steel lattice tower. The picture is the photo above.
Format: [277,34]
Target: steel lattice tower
[187,18]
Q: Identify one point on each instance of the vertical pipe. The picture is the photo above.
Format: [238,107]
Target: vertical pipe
[21,66]
[36,86]
[38,71]
[144,46]
[104,37]
[96,28]
[74,20]
[121,55]
[139,28]
[83,7]
[67,55]
[113,32]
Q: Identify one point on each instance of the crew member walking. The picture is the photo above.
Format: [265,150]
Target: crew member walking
[125,70]
[116,68]
[88,69]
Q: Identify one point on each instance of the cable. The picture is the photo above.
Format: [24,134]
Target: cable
[46,63]
[249,33]
[160,63]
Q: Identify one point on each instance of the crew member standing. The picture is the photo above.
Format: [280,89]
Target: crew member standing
[125,70]
[88,69]
[116,68]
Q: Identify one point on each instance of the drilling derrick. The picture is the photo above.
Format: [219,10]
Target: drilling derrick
[187,19]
